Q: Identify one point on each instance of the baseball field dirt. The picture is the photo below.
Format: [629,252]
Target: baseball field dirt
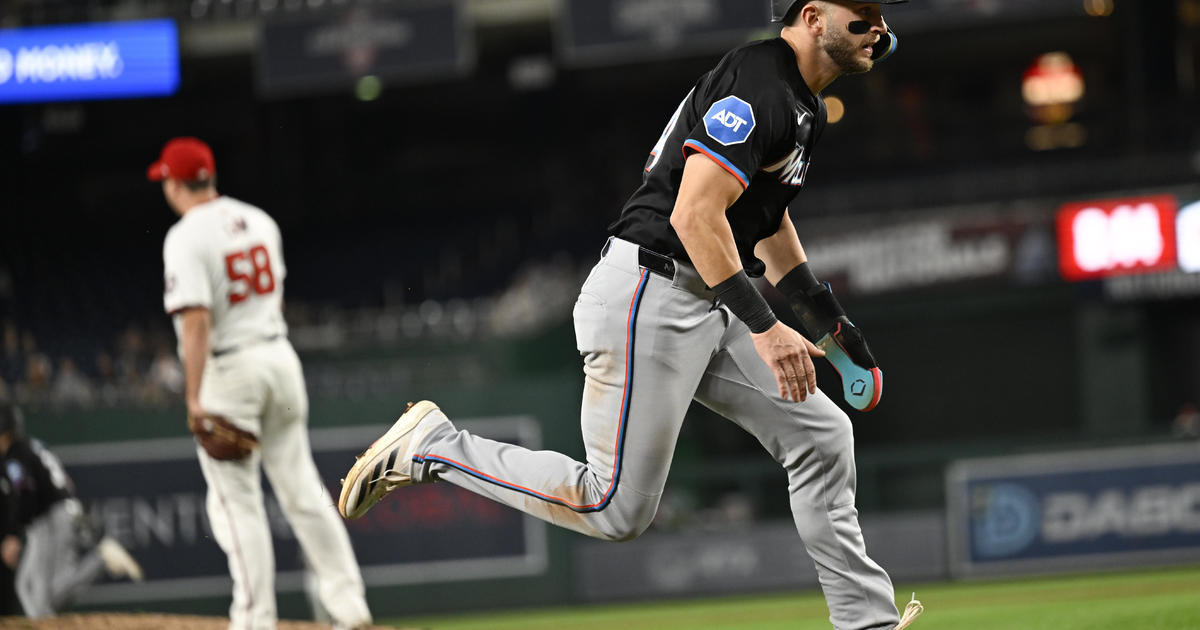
[145,621]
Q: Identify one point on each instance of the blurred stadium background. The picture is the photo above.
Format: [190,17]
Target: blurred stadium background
[1008,207]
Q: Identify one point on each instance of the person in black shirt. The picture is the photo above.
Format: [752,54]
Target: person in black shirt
[10,551]
[46,527]
[669,315]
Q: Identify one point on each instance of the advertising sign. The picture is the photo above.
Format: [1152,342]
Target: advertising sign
[89,61]
[606,31]
[947,14]
[150,495]
[331,49]
[747,558]
[1116,236]
[937,251]
[1067,511]
[1187,232]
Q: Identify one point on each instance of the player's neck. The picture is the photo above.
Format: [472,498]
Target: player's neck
[815,66]
[196,199]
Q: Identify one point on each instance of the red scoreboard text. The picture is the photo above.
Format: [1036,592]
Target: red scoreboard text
[1116,236]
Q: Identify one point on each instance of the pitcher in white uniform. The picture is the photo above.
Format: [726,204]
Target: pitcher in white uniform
[224,271]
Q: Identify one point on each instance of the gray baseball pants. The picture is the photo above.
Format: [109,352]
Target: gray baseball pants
[51,572]
[651,344]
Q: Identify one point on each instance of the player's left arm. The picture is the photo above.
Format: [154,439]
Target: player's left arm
[196,323]
[787,269]
[824,320]
[781,251]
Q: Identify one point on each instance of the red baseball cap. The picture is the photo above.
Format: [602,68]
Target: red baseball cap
[188,159]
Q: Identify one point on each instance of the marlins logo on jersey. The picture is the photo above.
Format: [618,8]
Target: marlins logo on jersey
[793,169]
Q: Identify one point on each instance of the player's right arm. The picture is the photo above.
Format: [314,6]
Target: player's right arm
[195,325]
[745,120]
[10,550]
[706,191]
[10,525]
[187,295]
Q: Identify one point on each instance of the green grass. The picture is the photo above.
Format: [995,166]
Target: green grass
[1144,600]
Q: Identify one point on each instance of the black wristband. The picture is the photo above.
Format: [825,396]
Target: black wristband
[798,282]
[739,294]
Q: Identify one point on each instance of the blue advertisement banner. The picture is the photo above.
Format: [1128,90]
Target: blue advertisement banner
[89,61]
[150,495]
[1114,507]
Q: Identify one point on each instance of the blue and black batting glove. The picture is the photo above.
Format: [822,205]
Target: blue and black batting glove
[862,380]
[824,320]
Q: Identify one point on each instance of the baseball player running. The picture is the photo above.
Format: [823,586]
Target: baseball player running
[61,554]
[669,315]
[224,272]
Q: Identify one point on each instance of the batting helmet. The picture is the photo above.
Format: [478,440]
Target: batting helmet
[886,46]
[11,420]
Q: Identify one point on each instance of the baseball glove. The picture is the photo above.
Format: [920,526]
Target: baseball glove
[220,438]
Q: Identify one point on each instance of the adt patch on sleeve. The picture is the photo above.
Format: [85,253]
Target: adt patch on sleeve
[729,121]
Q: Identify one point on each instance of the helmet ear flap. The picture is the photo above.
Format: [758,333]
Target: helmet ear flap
[885,47]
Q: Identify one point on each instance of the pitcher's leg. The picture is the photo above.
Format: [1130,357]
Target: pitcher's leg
[287,460]
[814,442]
[239,525]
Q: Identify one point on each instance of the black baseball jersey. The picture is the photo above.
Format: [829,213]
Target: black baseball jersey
[754,116]
[36,478]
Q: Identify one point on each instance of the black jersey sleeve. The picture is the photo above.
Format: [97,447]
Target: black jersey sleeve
[746,119]
[33,483]
[10,509]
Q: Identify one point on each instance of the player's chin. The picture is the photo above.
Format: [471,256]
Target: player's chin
[858,65]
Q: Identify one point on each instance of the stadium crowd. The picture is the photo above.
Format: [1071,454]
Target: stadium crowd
[141,370]
[137,366]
